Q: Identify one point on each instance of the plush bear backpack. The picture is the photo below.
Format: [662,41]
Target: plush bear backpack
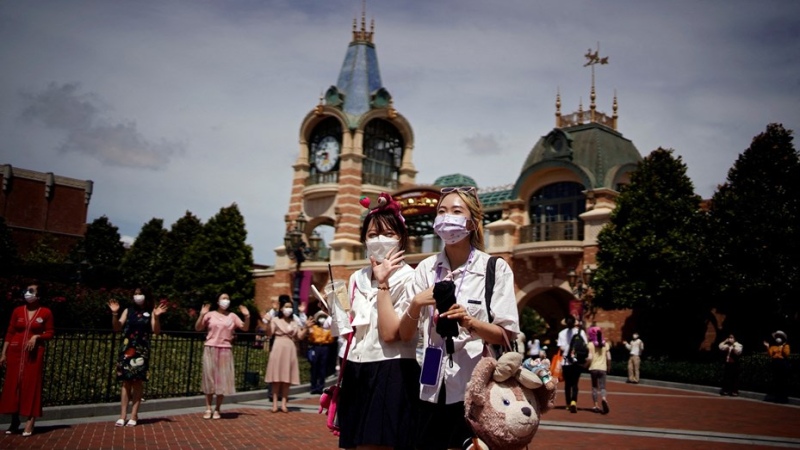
[504,401]
[505,398]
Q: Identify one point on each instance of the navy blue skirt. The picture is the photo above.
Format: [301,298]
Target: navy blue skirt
[378,403]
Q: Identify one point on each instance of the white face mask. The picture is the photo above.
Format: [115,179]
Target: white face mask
[30,297]
[138,299]
[224,303]
[777,340]
[321,321]
[287,312]
[380,246]
[450,228]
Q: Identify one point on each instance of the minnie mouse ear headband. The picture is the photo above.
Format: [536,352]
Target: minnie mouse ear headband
[385,203]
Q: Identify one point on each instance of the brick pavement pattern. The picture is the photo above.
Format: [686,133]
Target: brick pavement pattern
[641,417]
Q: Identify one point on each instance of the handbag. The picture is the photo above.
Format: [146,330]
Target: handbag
[329,400]
[556,366]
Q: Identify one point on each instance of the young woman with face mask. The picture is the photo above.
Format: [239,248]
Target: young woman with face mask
[380,381]
[459,223]
[283,368]
[30,327]
[218,374]
[137,323]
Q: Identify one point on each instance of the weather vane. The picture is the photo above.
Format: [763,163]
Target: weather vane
[592,60]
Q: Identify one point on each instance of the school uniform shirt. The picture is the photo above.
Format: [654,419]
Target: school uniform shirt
[367,346]
[470,289]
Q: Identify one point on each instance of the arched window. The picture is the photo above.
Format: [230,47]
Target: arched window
[554,212]
[383,154]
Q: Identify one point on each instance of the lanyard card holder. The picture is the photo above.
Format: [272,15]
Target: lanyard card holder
[431,366]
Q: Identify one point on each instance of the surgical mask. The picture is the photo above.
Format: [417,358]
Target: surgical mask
[287,312]
[224,303]
[777,340]
[138,299]
[635,337]
[450,228]
[30,297]
[379,247]
[321,321]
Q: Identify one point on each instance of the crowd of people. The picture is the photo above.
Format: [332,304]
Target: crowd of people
[406,348]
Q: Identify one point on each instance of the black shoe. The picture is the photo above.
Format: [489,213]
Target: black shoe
[605,407]
[573,407]
[13,428]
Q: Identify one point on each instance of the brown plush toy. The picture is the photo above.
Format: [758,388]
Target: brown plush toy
[503,403]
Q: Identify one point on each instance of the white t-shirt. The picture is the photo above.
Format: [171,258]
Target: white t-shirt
[635,347]
[367,346]
[565,338]
[470,285]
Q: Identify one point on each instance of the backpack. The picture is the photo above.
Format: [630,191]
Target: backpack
[491,267]
[579,347]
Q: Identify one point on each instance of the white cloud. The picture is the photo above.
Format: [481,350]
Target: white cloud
[78,115]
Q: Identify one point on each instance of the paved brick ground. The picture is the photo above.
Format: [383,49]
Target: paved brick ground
[641,417]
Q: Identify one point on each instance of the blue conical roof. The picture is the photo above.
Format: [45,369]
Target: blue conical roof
[359,87]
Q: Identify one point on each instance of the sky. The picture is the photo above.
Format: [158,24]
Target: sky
[176,105]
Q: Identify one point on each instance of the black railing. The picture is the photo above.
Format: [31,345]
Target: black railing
[570,230]
[80,366]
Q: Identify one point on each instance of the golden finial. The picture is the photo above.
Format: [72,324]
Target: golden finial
[558,107]
[318,109]
[392,112]
[614,107]
[580,111]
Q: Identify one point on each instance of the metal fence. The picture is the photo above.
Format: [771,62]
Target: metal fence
[80,366]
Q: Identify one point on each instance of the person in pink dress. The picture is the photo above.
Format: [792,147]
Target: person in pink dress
[282,367]
[218,375]
[30,327]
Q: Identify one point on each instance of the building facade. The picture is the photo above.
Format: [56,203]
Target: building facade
[544,223]
[36,204]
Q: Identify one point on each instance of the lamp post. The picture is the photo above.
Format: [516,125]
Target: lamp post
[579,283]
[298,251]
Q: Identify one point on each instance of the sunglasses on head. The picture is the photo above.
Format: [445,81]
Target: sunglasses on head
[464,189]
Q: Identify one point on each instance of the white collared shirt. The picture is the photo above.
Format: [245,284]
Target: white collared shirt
[470,286]
[367,346]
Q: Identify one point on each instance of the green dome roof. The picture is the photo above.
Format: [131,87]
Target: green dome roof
[598,152]
[455,180]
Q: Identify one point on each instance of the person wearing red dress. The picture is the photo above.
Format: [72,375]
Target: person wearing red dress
[23,355]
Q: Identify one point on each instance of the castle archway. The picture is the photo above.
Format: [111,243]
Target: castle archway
[551,303]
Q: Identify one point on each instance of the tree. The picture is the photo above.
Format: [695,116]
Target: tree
[142,262]
[44,252]
[651,255]
[99,254]
[101,245]
[219,260]
[180,237]
[8,249]
[755,234]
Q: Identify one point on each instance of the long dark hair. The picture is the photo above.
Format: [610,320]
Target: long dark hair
[599,340]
